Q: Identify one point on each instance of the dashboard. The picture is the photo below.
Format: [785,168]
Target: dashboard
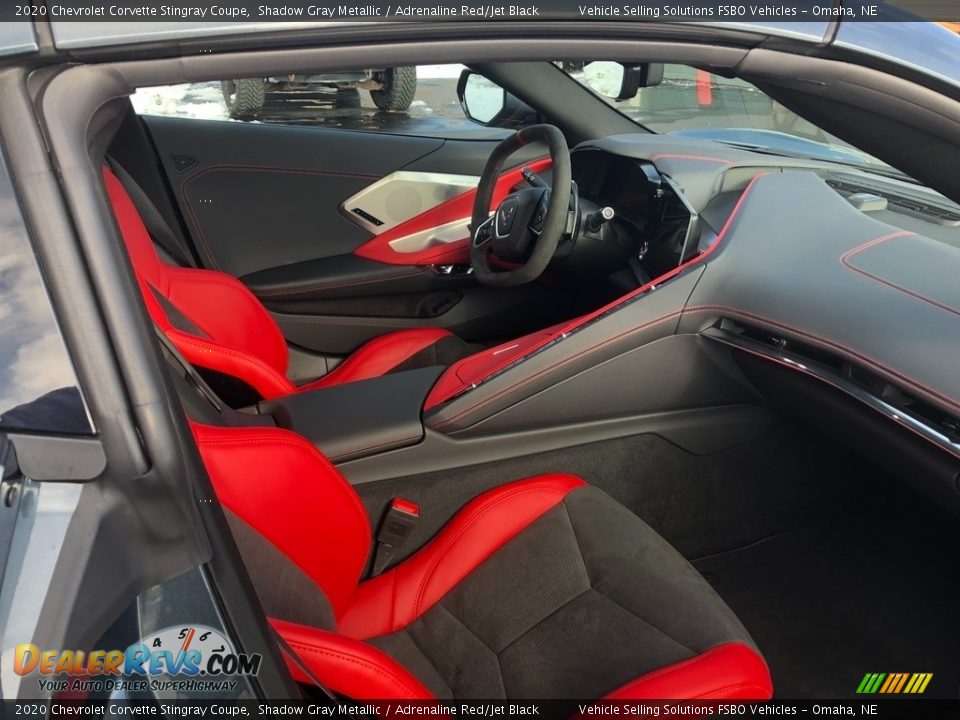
[670,206]
[821,269]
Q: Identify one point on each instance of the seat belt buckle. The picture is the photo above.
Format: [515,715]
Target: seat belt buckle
[396,527]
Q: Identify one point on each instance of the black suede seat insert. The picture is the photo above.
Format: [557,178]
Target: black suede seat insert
[584,600]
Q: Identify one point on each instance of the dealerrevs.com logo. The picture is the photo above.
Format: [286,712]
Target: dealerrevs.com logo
[191,658]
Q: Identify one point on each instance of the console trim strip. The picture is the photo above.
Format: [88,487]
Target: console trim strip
[812,369]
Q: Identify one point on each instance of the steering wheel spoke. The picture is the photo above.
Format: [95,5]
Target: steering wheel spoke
[483,236]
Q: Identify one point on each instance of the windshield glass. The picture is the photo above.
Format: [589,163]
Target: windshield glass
[696,103]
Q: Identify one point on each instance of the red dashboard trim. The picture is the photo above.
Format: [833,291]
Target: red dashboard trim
[458,377]
[847,261]
[451,210]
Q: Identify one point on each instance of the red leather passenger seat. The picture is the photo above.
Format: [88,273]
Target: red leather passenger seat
[217,323]
[541,588]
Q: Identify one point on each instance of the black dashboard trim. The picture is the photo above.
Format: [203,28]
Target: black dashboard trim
[799,363]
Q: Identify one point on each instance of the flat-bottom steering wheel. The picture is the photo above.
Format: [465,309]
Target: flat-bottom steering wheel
[527,226]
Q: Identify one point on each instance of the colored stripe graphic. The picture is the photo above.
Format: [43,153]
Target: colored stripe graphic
[903,681]
[894,683]
[918,683]
[886,685]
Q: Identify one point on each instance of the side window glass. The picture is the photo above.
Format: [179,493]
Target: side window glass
[38,386]
[419,100]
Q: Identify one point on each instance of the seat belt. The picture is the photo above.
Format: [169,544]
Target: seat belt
[398,522]
[291,655]
[156,224]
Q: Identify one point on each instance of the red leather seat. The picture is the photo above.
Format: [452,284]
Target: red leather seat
[217,323]
[541,588]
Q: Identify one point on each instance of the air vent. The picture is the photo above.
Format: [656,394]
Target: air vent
[862,377]
[936,214]
[844,188]
[933,213]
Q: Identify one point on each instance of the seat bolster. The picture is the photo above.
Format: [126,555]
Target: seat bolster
[380,355]
[348,667]
[287,491]
[396,598]
[213,356]
[229,313]
[732,671]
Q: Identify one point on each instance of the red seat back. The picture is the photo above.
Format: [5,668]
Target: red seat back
[222,308]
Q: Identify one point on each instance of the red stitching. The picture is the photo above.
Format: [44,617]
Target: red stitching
[559,364]
[620,302]
[342,655]
[202,345]
[370,350]
[345,283]
[246,168]
[178,276]
[685,664]
[201,276]
[817,339]
[467,523]
[845,261]
[676,667]
[699,309]
[395,441]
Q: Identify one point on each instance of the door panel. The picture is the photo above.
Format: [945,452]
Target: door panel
[260,196]
[440,235]
[341,276]
[272,205]
[403,195]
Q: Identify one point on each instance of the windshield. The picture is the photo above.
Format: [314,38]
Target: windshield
[696,103]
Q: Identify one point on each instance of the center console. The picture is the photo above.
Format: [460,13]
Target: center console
[357,419]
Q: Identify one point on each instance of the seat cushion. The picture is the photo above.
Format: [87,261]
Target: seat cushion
[584,601]
[542,588]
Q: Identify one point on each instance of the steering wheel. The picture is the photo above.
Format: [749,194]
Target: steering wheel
[527,226]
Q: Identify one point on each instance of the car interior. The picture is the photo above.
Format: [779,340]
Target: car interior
[578,411]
